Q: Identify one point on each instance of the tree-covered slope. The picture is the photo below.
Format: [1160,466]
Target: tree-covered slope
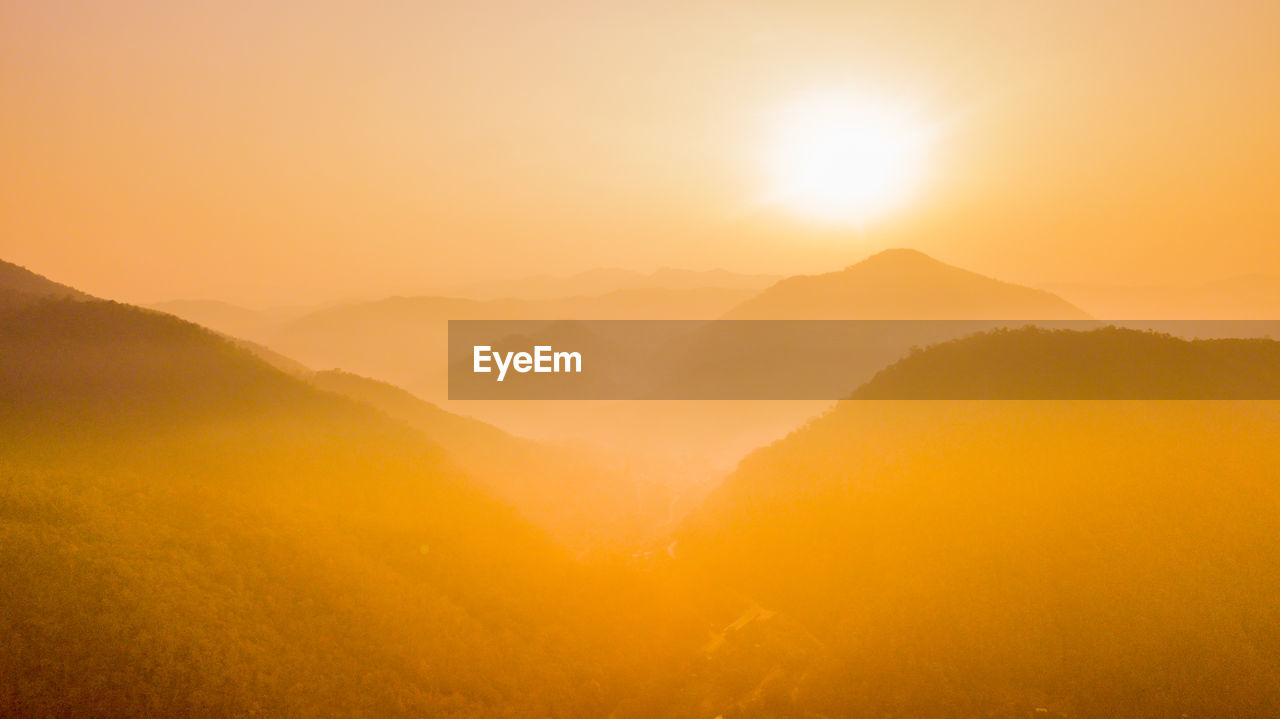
[1011,558]
[185,530]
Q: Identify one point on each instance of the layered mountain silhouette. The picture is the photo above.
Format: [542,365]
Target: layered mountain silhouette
[729,359]
[902,284]
[403,340]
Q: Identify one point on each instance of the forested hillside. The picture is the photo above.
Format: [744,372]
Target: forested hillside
[186,531]
[950,558]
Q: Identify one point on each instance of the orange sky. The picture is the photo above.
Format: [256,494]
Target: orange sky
[285,154]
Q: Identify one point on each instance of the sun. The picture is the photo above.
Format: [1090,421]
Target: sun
[843,159]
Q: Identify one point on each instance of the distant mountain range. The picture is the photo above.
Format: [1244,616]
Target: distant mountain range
[902,284]
[607,280]
[402,340]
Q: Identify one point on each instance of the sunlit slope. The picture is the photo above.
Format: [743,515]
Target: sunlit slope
[902,284]
[583,500]
[186,531]
[944,558]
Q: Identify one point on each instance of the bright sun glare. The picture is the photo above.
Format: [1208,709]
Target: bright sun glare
[845,160]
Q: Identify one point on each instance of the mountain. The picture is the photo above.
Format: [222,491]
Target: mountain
[643,304]
[1250,297]
[609,280]
[986,558]
[754,356]
[18,284]
[187,531]
[1105,363]
[902,284]
[403,341]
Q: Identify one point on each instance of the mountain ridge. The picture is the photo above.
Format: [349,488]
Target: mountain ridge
[18,283]
[902,284]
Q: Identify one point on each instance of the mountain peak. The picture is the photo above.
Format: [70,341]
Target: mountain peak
[900,260]
[902,284]
[899,255]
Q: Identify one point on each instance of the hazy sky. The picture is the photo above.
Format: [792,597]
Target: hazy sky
[271,153]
